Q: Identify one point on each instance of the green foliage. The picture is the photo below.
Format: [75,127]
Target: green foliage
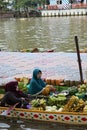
[29,3]
[21,3]
[3,5]
[17,4]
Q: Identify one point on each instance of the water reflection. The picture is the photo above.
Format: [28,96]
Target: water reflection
[36,125]
[53,32]
[4,126]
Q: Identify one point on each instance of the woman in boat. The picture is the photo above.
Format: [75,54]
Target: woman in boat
[38,86]
[14,95]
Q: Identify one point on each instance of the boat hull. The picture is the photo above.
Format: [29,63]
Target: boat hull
[68,118]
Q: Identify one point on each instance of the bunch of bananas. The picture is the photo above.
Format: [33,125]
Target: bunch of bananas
[38,103]
[74,105]
[46,90]
[22,84]
[1,96]
[58,101]
[82,88]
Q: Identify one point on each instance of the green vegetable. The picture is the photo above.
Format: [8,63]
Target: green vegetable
[35,103]
[39,103]
[57,101]
[23,87]
[61,88]
[72,90]
[82,88]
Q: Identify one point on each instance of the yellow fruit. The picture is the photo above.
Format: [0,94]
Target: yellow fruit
[1,96]
[46,90]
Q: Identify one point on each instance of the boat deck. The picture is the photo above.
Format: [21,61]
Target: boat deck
[54,65]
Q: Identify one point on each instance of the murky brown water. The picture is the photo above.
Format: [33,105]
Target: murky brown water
[53,32]
[34,125]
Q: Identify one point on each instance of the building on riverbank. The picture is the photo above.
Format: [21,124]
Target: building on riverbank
[66,4]
[63,12]
[54,8]
[58,2]
[65,8]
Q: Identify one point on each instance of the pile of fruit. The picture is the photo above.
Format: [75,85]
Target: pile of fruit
[22,84]
[72,90]
[82,88]
[63,103]
[74,99]
[85,108]
[74,105]
[57,100]
[38,104]
[1,96]
[52,103]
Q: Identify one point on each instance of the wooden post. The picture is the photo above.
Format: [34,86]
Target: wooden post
[79,59]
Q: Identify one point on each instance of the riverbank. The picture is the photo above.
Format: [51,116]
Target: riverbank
[67,12]
[54,65]
[46,13]
[6,14]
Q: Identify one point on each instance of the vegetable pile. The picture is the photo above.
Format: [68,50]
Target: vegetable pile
[74,105]
[73,99]
[22,84]
[57,101]
[65,101]
[72,90]
[38,104]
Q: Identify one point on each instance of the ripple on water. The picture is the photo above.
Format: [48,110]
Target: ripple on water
[23,127]
[36,125]
[4,126]
[3,129]
[48,32]
[19,122]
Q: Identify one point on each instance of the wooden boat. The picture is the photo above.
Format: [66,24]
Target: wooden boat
[76,118]
[60,117]
[37,50]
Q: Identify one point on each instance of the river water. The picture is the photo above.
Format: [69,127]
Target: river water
[51,32]
[34,125]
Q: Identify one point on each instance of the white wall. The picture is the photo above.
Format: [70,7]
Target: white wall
[53,2]
[70,12]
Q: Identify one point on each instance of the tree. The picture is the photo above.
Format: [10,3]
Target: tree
[3,5]
[29,3]
[22,3]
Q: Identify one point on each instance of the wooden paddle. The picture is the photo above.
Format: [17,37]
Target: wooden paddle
[79,59]
[5,113]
